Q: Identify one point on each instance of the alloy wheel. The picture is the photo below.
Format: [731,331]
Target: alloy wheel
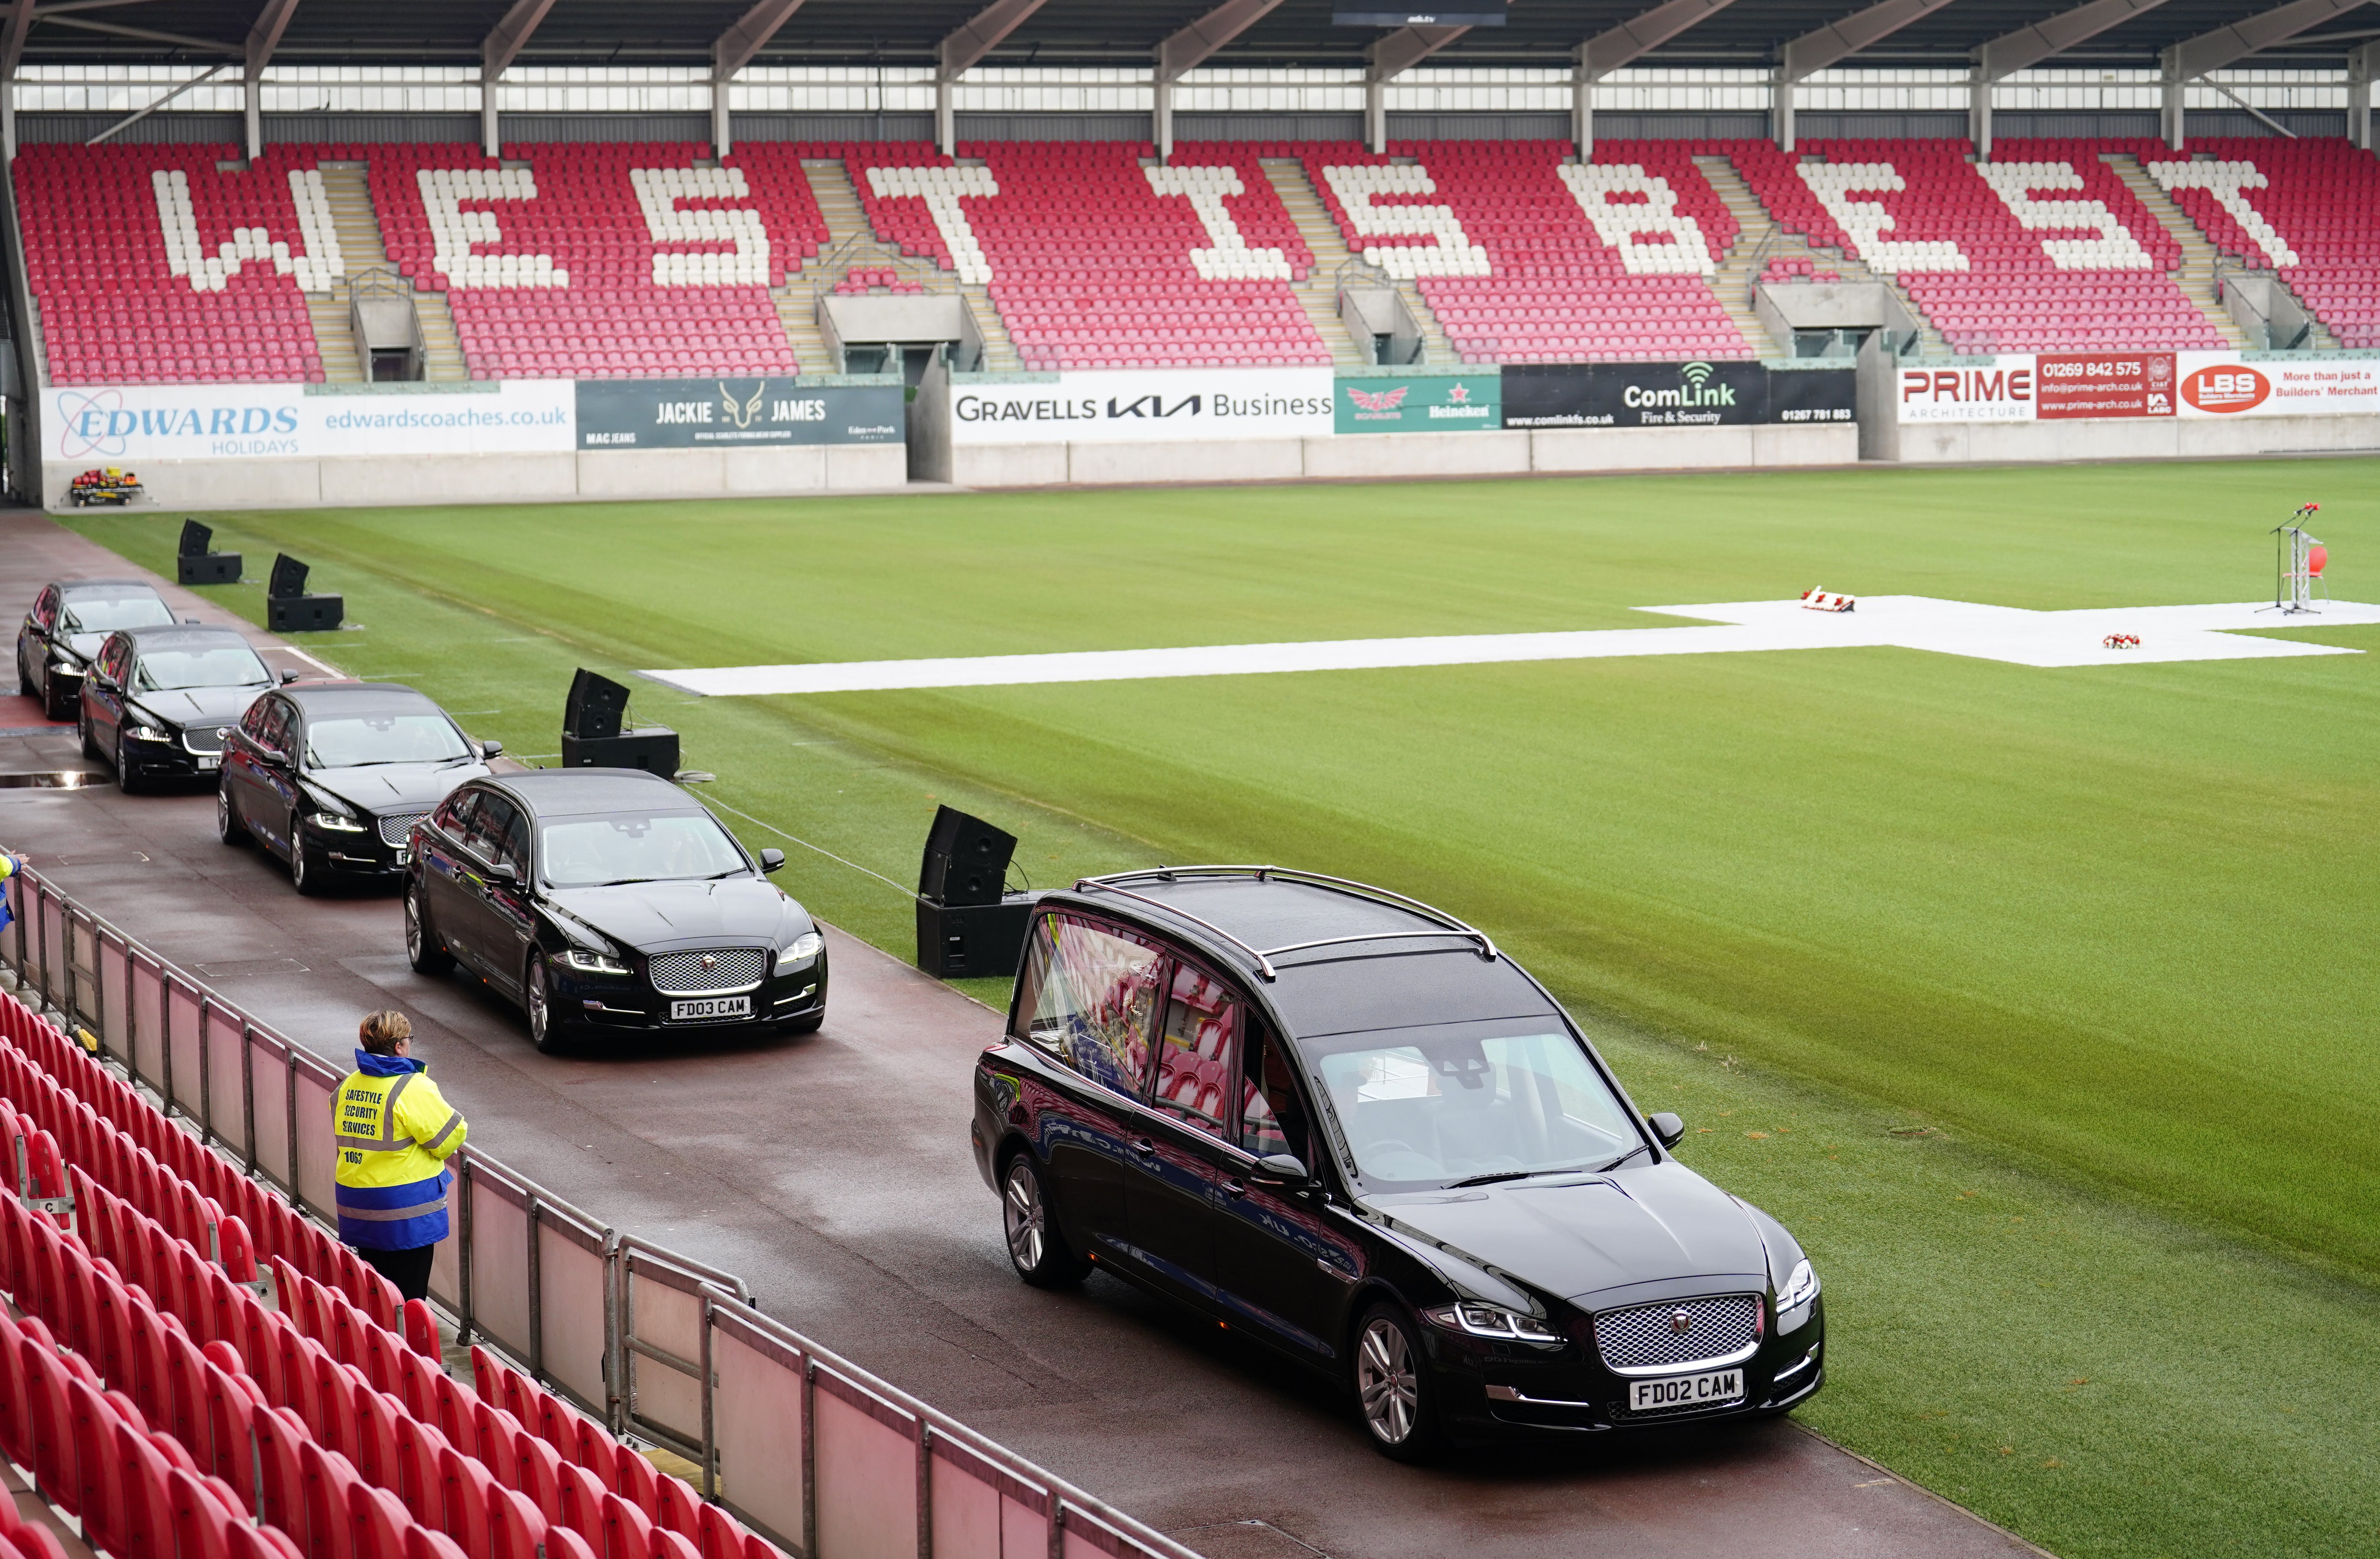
[1023,1216]
[1387,1381]
[123,765]
[300,877]
[413,929]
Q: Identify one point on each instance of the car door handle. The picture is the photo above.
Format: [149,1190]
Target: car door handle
[1235,1187]
[1143,1146]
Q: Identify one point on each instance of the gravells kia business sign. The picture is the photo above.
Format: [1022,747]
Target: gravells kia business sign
[1420,405]
[736,413]
[1138,405]
[1672,394]
[135,422]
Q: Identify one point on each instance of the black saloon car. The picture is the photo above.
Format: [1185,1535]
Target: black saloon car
[69,622]
[609,901]
[332,777]
[155,700]
[1344,1124]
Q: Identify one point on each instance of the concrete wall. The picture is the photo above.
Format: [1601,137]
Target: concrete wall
[2120,438]
[371,481]
[1373,456]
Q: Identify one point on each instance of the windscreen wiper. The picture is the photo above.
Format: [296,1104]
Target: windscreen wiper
[1621,1159]
[1519,1175]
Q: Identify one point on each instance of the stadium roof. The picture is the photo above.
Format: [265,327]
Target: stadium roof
[1101,32]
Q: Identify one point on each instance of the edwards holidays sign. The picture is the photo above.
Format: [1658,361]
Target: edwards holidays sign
[735,413]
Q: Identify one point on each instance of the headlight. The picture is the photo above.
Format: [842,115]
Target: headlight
[806,946]
[1793,1296]
[336,824]
[593,963]
[147,733]
[1494,1320]
[65,668]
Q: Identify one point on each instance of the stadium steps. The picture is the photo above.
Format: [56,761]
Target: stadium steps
[2196,277]
[797,300]
[1759,238]
[360,244]
[1320,292]
[999,353]
[41,344]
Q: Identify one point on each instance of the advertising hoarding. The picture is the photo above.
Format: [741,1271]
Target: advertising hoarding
[1673,395]
[116,424]
[1145,405]
[1423,404]
[2052,386]
[736,413]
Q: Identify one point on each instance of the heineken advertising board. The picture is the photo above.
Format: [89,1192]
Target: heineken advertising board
[1423,404]
[1673,395]
[735,413]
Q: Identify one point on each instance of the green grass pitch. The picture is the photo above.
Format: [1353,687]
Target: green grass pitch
[2041,1003]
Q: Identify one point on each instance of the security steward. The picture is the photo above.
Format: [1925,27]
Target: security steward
[395,1133]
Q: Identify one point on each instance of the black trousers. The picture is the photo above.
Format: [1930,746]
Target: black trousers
[409,1269]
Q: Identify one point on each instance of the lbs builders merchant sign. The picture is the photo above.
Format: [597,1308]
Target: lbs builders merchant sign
[1670,395]
[735,413]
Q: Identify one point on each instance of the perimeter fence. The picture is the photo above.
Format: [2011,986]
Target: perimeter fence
[800,1445]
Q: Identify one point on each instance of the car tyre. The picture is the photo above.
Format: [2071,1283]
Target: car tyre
[537,995]
[53,706]
[228,828]
[306,872]
[422,948]
[90,745]
[1036,1247]
[1393,1389]
[24,681]
[126,781]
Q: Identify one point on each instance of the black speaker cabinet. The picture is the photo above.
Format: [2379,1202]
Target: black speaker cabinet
[968,941]
[595,707]
[288,576]
[966,860]
[653,749]
[305,613]
[208,568]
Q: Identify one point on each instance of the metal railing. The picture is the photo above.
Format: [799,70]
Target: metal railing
[654,1343]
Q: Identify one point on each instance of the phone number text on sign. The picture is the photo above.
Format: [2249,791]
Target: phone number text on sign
[2075,384]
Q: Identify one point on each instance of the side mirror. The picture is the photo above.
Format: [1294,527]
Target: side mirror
[772,859]
[1280,1169]
[287,677]
[1667,1127]
[491,750]
[503,872]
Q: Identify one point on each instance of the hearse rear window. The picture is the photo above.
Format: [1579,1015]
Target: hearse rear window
[1092,996]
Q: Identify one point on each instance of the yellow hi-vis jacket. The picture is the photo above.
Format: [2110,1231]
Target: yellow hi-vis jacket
[395,1132]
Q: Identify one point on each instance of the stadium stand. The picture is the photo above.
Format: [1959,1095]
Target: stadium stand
[1097,258]
[2041,249]
[2305,208]
[160,1397]
[618,260]
[151,265]
[1523,259]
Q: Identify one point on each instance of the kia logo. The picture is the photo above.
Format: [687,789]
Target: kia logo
[2234,388]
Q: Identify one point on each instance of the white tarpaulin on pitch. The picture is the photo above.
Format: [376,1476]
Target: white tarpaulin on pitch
[1906,622]
[1134,406]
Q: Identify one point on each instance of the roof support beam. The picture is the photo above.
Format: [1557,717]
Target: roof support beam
[735,49]
[497,50]
[2362,67]
[263,37]
[1389,58]
[961,51]
[1185,50]
[1814,51]
[12,49]
[2028,47]
[2189,60]
[1607,52]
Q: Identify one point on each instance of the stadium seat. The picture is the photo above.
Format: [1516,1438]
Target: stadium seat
[151,265]
[2305,208]
[2041,250]
[1525,259]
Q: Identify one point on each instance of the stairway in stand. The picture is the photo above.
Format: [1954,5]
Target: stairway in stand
[1319,293]
[360,245]
[2196,277]
[1759,240]
[847,219]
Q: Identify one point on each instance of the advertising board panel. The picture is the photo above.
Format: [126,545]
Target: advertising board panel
[2052,386]
[1133,405]
[1422,404]
[1673,395]
[736,413]
[123,423]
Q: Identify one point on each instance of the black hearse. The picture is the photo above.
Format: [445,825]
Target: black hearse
[1344,1124]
